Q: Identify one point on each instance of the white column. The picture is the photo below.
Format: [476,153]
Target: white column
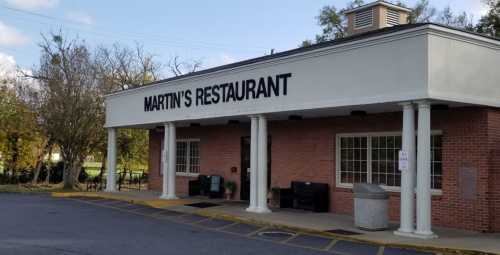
[253,163]
[408,176]
[111,157]
[424,171]
[172,161]
[170,147]
[164,160]
[262,167]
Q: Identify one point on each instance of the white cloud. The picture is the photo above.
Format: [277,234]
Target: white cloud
[10,36]
[32,4]
[12,74]
[227,59]
[7,66]
[80,17]
[218,60]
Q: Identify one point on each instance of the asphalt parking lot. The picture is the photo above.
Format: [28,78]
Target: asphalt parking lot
[40,224]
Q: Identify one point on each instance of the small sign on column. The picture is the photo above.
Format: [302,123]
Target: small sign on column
[403,160]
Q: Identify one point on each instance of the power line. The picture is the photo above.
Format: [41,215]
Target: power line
[155,39]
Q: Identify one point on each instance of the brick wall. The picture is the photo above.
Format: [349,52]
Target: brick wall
[494,178]
[219,152]
[304,150]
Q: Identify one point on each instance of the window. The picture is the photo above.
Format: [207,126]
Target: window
[373,158]
[354,159]
[188,157]
[392,18]
[363,19]
[436,160]
[384,160]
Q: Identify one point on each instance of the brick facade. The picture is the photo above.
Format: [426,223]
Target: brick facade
[304,150]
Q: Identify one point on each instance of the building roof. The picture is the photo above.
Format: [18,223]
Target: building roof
[361,36]
[380,2]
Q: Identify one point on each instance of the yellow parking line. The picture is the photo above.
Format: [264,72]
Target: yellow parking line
[289,238]
[228,226]
[381,250]
[249,235]
[331,244]
[256,231]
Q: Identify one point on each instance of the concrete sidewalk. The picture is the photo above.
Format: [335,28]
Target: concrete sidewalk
[449,241]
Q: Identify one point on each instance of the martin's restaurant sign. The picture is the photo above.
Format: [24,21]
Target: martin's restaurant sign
[250,89]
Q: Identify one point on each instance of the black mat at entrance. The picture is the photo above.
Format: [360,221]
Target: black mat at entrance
[343,232]
[202,205]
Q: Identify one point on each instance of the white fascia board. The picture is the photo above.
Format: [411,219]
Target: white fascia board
[426,62]
[399,35]
[381,69]
[463,67]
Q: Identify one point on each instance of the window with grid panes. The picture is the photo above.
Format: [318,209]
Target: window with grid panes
[187,155]
[374,159]
[384,160]
[353,159]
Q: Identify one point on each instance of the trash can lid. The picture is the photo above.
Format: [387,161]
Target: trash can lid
[370,191]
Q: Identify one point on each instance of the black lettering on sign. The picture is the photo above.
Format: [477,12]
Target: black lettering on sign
[273,87]
[215,94]
[155,103]
[261,90]
[285,82]
[224,86]
[199,96]
[188,101]
[176,101]
[148,104]
[240,92]
[250,86]
[230,93]
[206,96]
[235,91]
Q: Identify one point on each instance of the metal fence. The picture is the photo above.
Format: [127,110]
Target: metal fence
[125,181]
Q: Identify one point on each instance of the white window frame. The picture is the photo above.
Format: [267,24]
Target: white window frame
[188,158]
[369,135]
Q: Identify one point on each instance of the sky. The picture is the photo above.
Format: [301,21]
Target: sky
[214,32]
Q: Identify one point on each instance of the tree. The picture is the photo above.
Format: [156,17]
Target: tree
[490,23]
[119,68]
[132,149]
[178,67]
[27,91]
[70,100]
[333,23]
[19,138]
[422,12]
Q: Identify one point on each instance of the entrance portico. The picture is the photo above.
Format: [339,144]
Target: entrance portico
[338,113]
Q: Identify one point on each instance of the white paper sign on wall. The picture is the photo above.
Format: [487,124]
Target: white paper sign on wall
[403,161]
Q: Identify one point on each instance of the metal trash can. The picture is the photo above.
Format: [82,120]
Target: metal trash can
[371,207]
